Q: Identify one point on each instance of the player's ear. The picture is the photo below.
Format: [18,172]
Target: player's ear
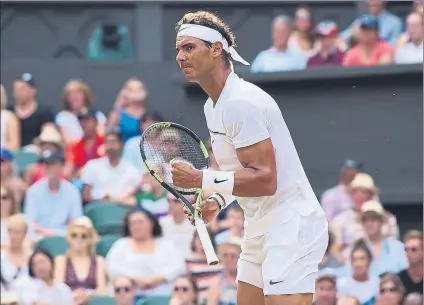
[216,49]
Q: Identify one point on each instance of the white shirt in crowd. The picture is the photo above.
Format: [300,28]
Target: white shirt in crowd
[364,291]
[181,234]
[409,54]
[165,261]
[107,180]
[31,290]
[69,121]
[245,115]
[9,271]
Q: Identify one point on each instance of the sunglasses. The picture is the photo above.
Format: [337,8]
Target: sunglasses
[391,289]
[181,288]
[82,236]
[122,289]
[303,16]
[411,249]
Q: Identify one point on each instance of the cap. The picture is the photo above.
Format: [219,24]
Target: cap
[327,28]
[50,157]
[27,78]
[6,155]
[369,22]
[363,181]
[86,113]
[349,163]
[373,207]
[326,274]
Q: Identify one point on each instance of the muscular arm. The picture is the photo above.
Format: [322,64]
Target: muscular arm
[259,175]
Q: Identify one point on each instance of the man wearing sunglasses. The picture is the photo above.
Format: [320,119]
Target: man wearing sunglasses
[124,291]
[412,277]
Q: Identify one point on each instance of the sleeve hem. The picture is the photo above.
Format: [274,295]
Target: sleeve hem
[251,141]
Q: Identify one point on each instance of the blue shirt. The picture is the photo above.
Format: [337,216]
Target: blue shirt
[129,126]
[390,28]
[131,154]
[53,211]
[272,60]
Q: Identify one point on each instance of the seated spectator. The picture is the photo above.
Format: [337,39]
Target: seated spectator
[302,38]
[279,57]
[185,291]
[223,289]
[390,25]
[52,202]
[412,277]
[391,290]
[144,256]
[129,108]
[32,116]
[152,196]
[370,51]
[80,268]
[124,290]
[330,261]
[325,289]
[235,216]
[14,258]
[360,283]
[9,178]
[110,179]
[131,152]
[40,287]
[349,300]
[75,96]
[90,146]
[50,140]
[412,51]
[328,53]
[10,133]
[197,265]
[413,299]
[338,199]
[176,226]
[347,227]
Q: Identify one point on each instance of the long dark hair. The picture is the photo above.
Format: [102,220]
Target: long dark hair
[361,245]
[31,261]
[157,229]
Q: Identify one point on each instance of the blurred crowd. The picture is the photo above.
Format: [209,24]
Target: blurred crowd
[83,222]
[376,38]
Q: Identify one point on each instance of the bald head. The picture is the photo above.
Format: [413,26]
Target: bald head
[413,299]
[414,24]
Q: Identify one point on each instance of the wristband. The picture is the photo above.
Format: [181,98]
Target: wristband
[220,199]
[218,181]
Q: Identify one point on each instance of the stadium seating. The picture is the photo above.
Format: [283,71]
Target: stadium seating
[155,301]
[107,218]
[101,300]
[105,243]
[23,159]
[55,245]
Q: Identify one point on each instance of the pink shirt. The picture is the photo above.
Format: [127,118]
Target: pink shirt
[354,57]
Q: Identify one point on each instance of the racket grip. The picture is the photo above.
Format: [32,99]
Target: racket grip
[211,257]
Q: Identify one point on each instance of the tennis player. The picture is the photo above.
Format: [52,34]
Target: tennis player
[286,232]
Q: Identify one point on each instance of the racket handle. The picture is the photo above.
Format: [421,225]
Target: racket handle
[211,257]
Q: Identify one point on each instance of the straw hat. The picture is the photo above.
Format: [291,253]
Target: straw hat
[49,134]
[373,208]
[363,181]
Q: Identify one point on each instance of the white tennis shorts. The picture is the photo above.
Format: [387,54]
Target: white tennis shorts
[285,260]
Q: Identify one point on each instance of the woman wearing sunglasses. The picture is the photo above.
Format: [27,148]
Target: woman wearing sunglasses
[303,37]
[80,268]
[391,290]
[185,292]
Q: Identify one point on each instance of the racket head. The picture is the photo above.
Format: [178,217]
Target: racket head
[164,142]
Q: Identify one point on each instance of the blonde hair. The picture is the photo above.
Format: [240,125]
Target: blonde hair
[392,278]
[234,243]
[14,208]
[76,85]
[413,234]
[85,223]
[3,96]
[17,221]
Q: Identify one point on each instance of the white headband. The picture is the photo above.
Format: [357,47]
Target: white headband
[212,36]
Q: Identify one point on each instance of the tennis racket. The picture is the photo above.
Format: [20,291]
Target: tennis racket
[165,142]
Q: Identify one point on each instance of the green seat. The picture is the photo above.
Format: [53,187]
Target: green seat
[23,159]
[155,301]
[56,245]
[101,300]
[107,218]
[105,243]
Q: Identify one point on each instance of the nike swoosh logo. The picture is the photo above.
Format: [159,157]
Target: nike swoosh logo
[219,181]
[271,282]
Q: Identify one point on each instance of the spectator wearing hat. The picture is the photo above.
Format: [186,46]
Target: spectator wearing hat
[412,277]
[10,133]
[52,202]
[89,147]
[390,25]
[328,53]
[32,116]
[347,226]
[50,140]
[337,199]
[9,178]
[110,178]
[370,51]
[325,288]
[412,51]
[76,95]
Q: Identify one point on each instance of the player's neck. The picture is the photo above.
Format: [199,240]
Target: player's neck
[214,83]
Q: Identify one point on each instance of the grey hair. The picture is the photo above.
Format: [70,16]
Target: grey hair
[282,19]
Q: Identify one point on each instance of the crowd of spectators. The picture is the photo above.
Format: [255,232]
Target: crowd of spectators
[82,220]
[375,38]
